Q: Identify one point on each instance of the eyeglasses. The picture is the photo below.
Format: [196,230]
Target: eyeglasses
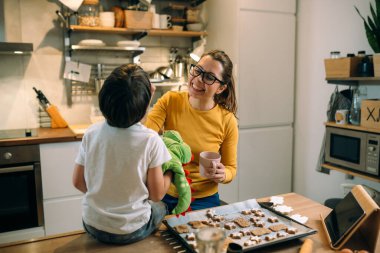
[207,77]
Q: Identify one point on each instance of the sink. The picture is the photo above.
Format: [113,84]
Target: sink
[18,133]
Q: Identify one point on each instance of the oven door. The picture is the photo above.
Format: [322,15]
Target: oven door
[346,148]
[20,197]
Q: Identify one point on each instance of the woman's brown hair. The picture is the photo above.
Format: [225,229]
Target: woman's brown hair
[226,99]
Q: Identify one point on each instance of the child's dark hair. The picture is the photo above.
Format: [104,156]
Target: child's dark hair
[125,96]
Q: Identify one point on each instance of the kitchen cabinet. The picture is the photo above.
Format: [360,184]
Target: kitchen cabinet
[62,201]
[263,53]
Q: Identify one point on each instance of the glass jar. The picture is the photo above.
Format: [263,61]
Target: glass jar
[89,13]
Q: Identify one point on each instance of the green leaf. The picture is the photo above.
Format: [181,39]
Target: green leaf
[374,16]
[377,8]
[372,39]
[372,25]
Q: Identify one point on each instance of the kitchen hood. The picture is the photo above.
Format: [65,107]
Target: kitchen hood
[15,48]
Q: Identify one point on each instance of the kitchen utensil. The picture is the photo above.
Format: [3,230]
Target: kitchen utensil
[56,119]
[156,77]
[166,72]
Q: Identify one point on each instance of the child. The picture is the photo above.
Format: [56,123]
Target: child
[118,166]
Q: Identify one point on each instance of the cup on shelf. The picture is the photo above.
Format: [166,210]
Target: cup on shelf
[107,18]
[341,117]
[164,21]
[156,21]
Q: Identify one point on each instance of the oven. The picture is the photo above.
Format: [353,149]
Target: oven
[20,188]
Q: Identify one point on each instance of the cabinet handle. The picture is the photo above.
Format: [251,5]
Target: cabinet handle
[16,169]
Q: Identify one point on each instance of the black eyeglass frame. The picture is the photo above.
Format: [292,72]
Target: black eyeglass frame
[192,66]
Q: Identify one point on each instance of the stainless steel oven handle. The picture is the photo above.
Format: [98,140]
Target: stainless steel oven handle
[16,169]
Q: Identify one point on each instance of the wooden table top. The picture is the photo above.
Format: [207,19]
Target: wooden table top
[80,242]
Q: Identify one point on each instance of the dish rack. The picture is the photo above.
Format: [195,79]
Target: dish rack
[99,72]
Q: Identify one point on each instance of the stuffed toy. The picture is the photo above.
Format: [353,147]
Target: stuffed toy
[181,155]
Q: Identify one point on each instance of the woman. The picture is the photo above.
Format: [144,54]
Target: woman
[205,116]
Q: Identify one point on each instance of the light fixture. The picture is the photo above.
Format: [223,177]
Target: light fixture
[72,4]
[199,50]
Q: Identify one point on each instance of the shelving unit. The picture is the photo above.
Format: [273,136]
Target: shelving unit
[353,127]
[347,171]
[353,80]
[153,32]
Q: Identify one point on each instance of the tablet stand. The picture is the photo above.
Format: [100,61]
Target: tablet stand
[366,233]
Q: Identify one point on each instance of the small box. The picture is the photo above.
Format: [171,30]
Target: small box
[376,65]
[370,113]
[342,67]
[138,19]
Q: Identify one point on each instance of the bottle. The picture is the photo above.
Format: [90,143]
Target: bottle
[89,13]
[366,67]
[355,108]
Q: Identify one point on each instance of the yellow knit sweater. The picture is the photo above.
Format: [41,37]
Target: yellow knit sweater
[214,130]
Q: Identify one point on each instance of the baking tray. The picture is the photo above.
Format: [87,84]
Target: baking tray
[231,212]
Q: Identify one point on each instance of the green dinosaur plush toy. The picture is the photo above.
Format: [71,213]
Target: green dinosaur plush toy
[181,154]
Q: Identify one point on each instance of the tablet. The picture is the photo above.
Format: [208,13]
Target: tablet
[343,218]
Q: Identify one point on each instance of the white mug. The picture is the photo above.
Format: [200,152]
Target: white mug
[156,21]
[207,160]
[164,21]
[341,117]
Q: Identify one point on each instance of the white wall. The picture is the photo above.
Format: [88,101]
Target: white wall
[323,26]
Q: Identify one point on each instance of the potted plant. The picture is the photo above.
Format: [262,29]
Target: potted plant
[372,29]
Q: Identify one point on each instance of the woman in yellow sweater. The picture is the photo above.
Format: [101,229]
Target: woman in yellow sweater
[205,116]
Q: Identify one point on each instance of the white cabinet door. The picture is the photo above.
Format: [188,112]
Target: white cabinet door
[264,162]
[63,215]
[288,6]
[57,164]
[266,68]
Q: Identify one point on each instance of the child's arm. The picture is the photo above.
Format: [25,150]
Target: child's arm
[158,184]
[78,178]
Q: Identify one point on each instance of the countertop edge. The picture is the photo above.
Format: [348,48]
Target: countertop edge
[44,135]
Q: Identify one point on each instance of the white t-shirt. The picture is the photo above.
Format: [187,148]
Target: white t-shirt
[116,162]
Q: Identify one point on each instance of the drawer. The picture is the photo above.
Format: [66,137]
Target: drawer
[19,154]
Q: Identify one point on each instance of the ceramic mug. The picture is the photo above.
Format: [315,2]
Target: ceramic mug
[164,21]
[341,117]
[156,21]
[207,160]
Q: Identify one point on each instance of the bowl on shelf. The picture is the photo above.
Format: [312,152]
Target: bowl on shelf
[128,43]
[196,27]
[91,43]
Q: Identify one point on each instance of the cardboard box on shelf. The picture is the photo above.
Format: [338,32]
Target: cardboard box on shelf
[370,113]
[138,19]
[342,67]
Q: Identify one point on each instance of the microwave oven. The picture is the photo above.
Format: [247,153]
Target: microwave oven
[352,149]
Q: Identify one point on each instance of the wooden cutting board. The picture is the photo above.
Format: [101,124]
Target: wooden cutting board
[79,129]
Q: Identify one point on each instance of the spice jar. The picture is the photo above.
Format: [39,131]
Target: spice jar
[89,13]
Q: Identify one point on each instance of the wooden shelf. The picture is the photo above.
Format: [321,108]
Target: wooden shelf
[349,172]
[153,32]
[352,80]
[353,127]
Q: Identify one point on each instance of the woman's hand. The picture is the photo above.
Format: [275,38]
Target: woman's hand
[220,173]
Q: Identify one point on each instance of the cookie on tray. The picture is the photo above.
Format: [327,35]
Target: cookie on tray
[272,219]
[246,212]
[269,238]
[190,237]
[236,235]
[243,223]
[255,219]
[291,231]
[278,227]
[229,225]
[260,231]
[196,224]
[181,229]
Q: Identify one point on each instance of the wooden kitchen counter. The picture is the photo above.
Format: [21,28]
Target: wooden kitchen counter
[44,135]
[80,242]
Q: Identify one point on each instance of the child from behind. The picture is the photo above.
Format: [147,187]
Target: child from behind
[118,167]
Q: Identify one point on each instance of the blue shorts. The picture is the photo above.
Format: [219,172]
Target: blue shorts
[158,213]
[197,204]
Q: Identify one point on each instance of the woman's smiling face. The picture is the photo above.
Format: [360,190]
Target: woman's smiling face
[199,89]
